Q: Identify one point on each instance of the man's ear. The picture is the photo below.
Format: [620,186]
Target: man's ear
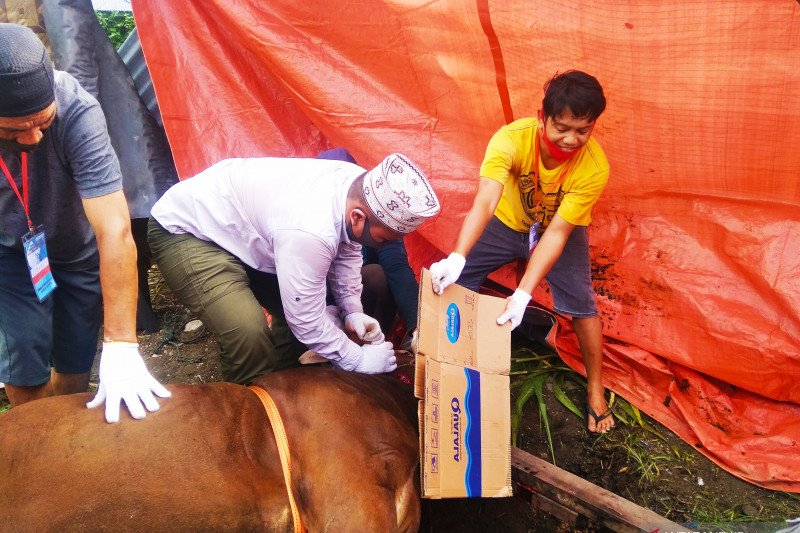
[357,217]
[358,212]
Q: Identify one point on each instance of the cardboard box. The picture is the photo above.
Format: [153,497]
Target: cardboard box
[462,366]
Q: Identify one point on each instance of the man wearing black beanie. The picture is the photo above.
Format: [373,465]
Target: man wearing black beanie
[64,234]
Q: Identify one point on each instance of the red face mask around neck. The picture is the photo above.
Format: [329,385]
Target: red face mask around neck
[557,153]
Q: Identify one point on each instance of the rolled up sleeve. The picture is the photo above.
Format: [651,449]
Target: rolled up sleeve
[302,262]
[344,278]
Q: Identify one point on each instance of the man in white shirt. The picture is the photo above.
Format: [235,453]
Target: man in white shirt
[251,233]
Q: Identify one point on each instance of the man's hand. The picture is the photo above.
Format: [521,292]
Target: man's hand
[123,377]
[376,359]
[445,272]
[365,327]
[515,308]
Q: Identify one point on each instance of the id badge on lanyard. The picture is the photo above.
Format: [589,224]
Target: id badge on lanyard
[533,235]
[33,242]
[38,263]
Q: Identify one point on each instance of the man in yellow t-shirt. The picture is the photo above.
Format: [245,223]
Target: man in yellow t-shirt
[539,180]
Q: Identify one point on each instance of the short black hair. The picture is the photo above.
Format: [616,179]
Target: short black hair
[356,190]
[576,90]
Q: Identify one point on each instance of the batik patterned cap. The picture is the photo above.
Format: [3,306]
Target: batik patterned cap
[399,194]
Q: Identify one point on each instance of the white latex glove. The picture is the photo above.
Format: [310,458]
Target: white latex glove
[333,313]
[515,308]
[445,272]
[365,327]
[123,377]
[375,359]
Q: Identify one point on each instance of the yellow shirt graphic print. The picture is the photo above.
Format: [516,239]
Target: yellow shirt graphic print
[509,160]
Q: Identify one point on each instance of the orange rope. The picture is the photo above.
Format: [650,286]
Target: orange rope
[283,451]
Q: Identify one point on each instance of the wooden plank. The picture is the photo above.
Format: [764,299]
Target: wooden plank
[565,514]
[587,499]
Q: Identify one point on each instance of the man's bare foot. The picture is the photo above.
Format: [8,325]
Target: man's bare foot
[598,414]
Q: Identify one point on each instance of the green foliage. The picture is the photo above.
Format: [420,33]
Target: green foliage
[630,415]
[709,513]
[647,462]
[117,24]
[535,371]
[5,407]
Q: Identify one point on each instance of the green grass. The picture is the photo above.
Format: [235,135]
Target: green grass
[647,463]
[534,370]
[780,506]
[629,415]
[708,510]
[534,367]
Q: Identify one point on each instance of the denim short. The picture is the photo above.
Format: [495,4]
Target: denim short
[570,279]
[59,333]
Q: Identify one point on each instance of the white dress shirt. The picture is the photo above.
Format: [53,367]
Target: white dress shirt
[286,217]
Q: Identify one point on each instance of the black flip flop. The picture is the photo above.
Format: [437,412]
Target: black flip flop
[597,418]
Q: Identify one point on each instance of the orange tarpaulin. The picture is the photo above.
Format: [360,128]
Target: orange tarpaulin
[696,241]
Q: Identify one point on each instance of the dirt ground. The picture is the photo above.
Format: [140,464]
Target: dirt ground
[665,474]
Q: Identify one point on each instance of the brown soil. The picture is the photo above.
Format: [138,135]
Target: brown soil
[675,491]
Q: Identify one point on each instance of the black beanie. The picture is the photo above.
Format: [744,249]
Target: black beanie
[26,73]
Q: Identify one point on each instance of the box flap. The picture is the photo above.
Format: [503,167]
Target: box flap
[460,327]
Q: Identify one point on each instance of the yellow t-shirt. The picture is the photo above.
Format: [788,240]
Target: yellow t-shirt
[509,158]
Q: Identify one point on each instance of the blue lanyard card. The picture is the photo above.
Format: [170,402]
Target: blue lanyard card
[533,236]
[38,264]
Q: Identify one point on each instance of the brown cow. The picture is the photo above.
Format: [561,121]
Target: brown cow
[207,460]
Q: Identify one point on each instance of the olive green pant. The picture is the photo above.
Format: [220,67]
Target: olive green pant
[228,297]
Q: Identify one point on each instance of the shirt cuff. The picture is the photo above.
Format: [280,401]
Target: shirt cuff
[350,357]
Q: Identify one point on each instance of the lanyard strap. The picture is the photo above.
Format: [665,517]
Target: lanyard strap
[23,198]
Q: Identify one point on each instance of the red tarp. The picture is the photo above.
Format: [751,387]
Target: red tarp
[696,241]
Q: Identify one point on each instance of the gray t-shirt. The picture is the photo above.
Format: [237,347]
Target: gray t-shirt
[74,160]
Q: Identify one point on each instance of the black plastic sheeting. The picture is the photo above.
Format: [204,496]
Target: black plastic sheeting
[81,47]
